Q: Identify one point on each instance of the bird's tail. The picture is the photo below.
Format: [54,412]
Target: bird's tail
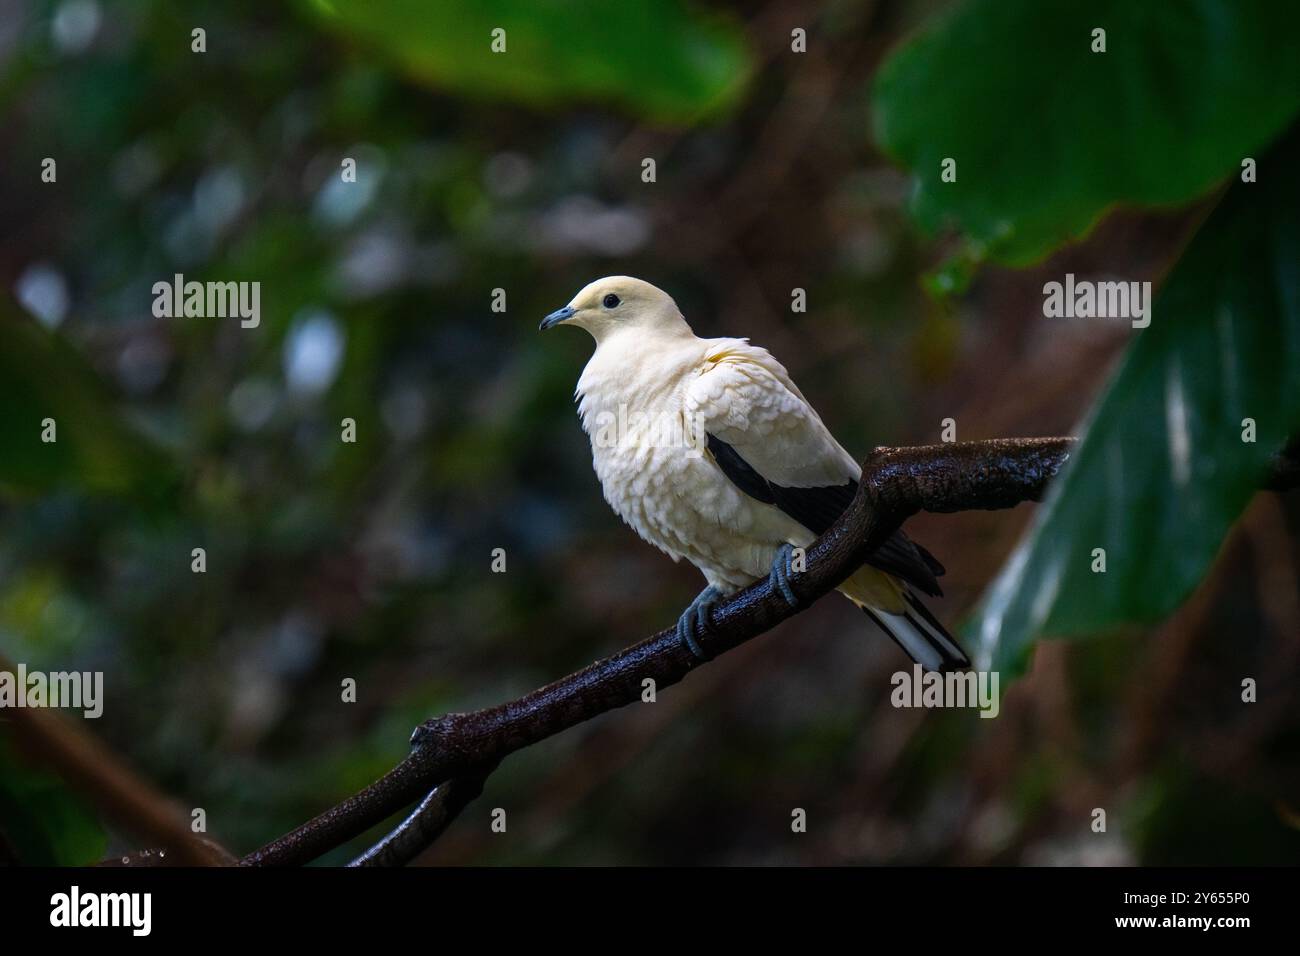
[919,634]
[900,614]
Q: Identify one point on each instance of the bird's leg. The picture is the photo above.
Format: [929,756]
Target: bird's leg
[695,620]
[782,573]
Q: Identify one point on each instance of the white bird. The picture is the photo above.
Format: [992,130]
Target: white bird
[711,453]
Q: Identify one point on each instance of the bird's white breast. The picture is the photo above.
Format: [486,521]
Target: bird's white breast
[656,473]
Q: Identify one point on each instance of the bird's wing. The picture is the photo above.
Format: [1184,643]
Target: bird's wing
[744,397]
[771,443]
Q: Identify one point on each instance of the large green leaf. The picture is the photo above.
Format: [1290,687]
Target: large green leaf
[1046,134]
[1162,470]
[42,378]
[657,58]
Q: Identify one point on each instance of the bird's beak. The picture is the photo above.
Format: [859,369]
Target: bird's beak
[556,317]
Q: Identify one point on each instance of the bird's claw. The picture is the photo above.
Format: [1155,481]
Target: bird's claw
[782,573]
[696,619]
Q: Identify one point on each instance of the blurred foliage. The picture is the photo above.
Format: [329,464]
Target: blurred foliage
[1163,469]
[371,560]
[45,824]
[1180,95]
[1048,135]
[660,59]
[42,379]
[1234,822]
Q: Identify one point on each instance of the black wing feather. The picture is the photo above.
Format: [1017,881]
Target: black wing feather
[818,508]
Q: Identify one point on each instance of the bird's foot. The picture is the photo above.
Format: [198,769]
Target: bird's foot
[696,619]
[783,573]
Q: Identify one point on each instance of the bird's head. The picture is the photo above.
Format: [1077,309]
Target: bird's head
[620,303]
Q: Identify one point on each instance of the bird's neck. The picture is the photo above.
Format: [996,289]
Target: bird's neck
[637,372]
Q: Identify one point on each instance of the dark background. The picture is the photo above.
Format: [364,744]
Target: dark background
[372,560]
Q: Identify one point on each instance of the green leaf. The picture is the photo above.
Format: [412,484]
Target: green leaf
[1047,134]
[42,378]
[1162,470]
[44,822]
[657,58]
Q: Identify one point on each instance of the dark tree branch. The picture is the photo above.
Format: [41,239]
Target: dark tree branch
[896,484]
[426,822]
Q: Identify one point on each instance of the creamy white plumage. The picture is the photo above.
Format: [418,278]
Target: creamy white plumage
[709,451]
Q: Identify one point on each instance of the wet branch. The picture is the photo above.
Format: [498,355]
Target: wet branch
[426,822]
[452,755]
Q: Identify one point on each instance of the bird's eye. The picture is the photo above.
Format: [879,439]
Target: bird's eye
[610,301]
